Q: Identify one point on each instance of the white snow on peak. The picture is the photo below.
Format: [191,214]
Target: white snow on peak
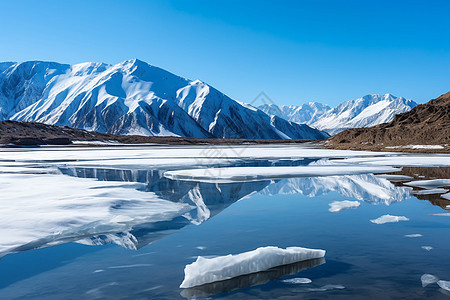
[132,97]
[208,270]
[307,113]
[366,111]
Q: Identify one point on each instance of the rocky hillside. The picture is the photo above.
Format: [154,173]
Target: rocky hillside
[13,133]
[425,128]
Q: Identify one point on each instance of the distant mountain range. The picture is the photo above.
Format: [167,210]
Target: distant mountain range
[133,97]
[426,126]
[367,111]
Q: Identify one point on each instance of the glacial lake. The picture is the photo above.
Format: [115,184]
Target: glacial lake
[109,222]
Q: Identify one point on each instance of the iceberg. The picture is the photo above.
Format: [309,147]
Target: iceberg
[389,219]
[208,270]
[253,279]
[337,206]
[428,279]
[428,248]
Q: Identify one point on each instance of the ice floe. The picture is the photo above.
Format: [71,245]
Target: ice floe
[430,184]
[428,248]
[327,288]
[337,206]
[389,219]
[297,280]
[207,270]
[427,279]
[249,280]
[394,177]
[445,285]
[261,173]
[430,191]
[414,235]
[403,160]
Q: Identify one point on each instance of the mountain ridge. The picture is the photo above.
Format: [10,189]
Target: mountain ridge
[133,97]
[369,110]
[425,124]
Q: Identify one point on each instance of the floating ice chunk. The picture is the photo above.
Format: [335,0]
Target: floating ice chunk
[394,177]
[205,270]
[428,279]
[327,288]
[445,285]
[446,196]
[428,248]
[261,173]
[98,271]
[337,206]
[430,191]
[429,184]
[297,280]
[442,214]
[413,235]
[389,219]
[201,247]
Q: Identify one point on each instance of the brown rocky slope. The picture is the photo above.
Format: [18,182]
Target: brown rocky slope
[13,133]
[425,124]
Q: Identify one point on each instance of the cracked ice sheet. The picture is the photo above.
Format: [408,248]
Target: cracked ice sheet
[431,160]
[181,151]
[221,175]
[55,209]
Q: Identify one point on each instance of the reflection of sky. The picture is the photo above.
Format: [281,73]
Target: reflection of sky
[368,259]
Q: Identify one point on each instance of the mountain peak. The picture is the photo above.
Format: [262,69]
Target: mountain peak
[134,98]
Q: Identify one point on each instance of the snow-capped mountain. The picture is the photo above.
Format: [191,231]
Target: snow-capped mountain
[132,97]
[367,111]
[307,113]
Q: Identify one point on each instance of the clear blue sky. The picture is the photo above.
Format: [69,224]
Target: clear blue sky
[295,51]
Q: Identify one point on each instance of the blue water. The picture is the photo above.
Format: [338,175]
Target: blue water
[366,260]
